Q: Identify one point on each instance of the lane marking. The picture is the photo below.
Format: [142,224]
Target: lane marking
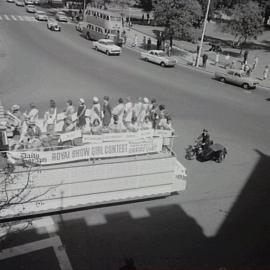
[31,19]
[26,18]
[1,18]
[53,241]
[21,18]
[13,17]
[7,18]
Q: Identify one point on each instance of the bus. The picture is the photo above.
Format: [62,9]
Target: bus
[101,24]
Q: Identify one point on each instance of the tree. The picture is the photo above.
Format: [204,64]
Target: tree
[181,17]
[147,5]
[246,22]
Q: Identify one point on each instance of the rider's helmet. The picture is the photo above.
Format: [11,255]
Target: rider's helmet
[205,130]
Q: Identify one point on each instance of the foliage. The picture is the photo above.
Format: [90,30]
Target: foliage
[246,22]
[180,17]
[147,5]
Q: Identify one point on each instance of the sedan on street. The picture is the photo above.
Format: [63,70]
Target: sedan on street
[29,2]
[31,9]
[19,3]
[61,16]
[237,77]
[158,57]
[41,16]
[107,46]
[53,25]
[10,1]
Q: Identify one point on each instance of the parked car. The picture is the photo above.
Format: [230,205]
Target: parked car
[19,3]
[29,2]
[10,1]
[158,57]
[53,25]
[107,46]
[61,16]
[31,9]
[80,25]
[237,77]
[36,2]
[41,16]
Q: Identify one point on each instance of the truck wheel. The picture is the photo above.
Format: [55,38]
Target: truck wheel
[162,64]
[222,79]
[245,86]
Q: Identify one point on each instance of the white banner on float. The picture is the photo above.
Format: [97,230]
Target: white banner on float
[68,136]
[101,150]
[163,133]
[88,138]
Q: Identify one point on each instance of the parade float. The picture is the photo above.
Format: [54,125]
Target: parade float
[90,170]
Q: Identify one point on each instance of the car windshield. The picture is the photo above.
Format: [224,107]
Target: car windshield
[109,42]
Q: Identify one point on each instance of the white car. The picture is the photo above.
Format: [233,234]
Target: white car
[36,2]
[159,57]
[107,46]
[80,26]
[61,16]
[53,25]
[41,16]
[10,1]
[19,3]
[29,2]
[31,9]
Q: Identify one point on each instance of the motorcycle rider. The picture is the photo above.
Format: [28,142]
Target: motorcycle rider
[204,139]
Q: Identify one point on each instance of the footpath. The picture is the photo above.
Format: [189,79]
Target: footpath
[185,57]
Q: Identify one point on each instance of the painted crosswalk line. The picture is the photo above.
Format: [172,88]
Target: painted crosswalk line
[1,18]
[6,17]
[13,17]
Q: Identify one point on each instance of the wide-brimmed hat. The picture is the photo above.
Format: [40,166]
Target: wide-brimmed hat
[15,107]
[146,100]
[82,100]
[95,99]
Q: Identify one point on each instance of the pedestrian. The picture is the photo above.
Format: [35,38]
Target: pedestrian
[142,18]
[158,43]
[135,41]
[149,44]
[171,41]
[81,121]
[107,111]
[129,25]
[245,56]
[248,71]
[227,61]
[255,63]
[144,42]
[124,37]
[50,117]
[148,18]
[217,58]
[265,72]
[204,58]
[123,22]
[233,63]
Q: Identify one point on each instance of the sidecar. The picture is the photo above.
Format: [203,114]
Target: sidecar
[215,152]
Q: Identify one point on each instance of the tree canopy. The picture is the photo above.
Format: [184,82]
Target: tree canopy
[181,17]
[246,22]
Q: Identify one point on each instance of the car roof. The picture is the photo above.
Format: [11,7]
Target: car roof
[106,40]
[236,70]
[41,12]
[157,51]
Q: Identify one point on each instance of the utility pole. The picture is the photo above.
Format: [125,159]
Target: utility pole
[203,33]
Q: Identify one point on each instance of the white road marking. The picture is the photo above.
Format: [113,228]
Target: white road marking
[139,213]
[1,18]
[54,242]
[26,18]
[31,19]
[7,18]
[21,18]
[95,219]
[13,17]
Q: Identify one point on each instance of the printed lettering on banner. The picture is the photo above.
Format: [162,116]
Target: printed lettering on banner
[87,138]
[149,133]
[99,150]
[163,133]
[70,135]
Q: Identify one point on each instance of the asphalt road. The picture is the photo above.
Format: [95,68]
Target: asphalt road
[37,65]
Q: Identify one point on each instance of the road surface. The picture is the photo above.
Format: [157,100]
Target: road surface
[38,65]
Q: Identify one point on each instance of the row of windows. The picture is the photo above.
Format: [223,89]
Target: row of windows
[101,29]
[103,16]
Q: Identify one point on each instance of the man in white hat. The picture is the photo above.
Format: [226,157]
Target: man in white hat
[96,110]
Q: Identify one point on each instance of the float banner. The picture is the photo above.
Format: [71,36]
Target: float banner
[163,133]
[88,138]
[126,136]
[68,136]
[102,150]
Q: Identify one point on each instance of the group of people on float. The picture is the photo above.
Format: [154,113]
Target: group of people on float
[99,117]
